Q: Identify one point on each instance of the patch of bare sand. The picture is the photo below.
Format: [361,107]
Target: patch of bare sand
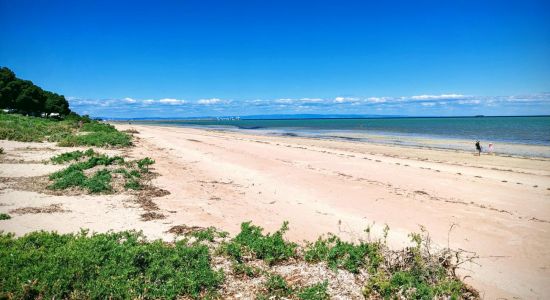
[24,170]
[98,213]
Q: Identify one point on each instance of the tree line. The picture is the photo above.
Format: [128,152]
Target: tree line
[28,98]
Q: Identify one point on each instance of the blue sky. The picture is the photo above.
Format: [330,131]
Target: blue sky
[197,58]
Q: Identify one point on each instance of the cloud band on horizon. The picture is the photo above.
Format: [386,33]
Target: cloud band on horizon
[417,105]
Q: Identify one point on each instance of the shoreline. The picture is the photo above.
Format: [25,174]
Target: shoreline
[379,139]
[217,178]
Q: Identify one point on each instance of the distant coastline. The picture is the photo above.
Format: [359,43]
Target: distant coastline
[525,136]
[306,117]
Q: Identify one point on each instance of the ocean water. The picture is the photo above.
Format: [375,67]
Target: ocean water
[458,133]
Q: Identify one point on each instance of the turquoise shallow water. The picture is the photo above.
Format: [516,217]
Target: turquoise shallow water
[520,130]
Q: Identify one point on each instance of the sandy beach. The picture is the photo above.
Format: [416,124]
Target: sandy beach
[494,206]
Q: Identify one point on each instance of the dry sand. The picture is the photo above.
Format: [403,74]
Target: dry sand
[499,205]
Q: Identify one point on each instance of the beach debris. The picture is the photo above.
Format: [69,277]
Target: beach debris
[151,215]
[184,229]
[49,209]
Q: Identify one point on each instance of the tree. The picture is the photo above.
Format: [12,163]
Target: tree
[6,77]
[26,97]
[31,99]
[11,91]
[56,103]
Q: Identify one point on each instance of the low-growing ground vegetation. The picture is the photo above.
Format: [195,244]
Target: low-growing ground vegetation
[4,216]
[345,255]
[66,132]
[271,248]
[94,172]
[276,287]
[103,266]
[126,265]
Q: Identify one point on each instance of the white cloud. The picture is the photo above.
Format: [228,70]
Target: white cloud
[377,99]
[285,100]
[171,101]
[312,100]
[209,101]
[340,104]
[345,99]
[469,102]
[438,97]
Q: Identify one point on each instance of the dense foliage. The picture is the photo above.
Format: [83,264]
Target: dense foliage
[42,265]
[26,97]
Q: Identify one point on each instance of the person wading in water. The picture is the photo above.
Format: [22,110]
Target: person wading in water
[478,148]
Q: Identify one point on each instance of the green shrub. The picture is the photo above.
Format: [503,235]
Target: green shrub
[277,286]
[29,129]
[4,216]
[314,292]
[97,139]
[73,175]
[97,127]
[99,182]
[424,276]
[234,250]
[42,265]
[340,254]
[32,129]
[72,156]
[241,268]
[67,178]
[143,164]
[208,234]
[132,184]
[271,248]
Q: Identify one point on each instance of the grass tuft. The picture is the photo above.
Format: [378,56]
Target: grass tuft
[4,216]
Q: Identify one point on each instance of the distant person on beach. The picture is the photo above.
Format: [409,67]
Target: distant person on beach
[490,149]
[478,148]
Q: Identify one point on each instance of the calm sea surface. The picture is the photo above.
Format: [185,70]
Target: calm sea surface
[533,131]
